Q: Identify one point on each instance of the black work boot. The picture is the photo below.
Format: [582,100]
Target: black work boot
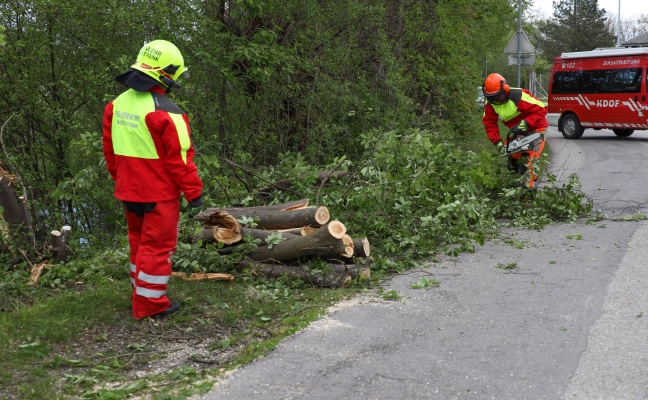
[174,307]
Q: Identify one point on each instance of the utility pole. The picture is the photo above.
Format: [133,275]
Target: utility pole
[519,49]
[619,26]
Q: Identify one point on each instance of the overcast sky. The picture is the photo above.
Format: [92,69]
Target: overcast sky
[629,8]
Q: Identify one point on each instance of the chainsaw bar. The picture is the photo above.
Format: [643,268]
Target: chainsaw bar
[518,145]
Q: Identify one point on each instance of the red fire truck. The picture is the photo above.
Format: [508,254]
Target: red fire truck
[599,89]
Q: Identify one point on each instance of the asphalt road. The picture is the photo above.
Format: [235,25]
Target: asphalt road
[569,322]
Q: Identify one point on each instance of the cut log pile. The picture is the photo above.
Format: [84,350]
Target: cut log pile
[307,234]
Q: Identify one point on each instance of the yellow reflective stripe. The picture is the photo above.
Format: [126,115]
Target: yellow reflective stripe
[130,135]
[529,99]
[183,135]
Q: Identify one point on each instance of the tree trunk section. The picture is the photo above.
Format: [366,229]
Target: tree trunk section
[220,227]
[361,247]
[273,271]
[209,236]
[325,243]
[263,234]
[303,231]
[14,211]
[59,241]
[353,270]
[273,219]
[266,218]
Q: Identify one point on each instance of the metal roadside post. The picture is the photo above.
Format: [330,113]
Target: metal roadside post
[520,47]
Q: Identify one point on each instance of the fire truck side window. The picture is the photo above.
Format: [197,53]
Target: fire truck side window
[624,80]
[575,82]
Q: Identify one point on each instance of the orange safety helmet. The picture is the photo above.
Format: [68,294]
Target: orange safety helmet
[494,86]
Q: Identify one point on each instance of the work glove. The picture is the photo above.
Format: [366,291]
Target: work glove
[197,202]
[195,206]
[522,126]
[500,147]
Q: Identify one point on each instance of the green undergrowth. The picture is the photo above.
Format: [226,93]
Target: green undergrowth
[414,195]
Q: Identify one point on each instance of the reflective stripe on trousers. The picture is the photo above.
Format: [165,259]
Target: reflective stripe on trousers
[152,238]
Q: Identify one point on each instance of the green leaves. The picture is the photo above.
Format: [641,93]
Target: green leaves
[35,349]
[392,295]
[425,282]
[274,239]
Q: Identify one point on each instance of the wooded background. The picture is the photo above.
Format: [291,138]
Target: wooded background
[270,80]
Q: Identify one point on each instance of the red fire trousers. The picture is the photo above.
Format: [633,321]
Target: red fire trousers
[531,155]
[153,236]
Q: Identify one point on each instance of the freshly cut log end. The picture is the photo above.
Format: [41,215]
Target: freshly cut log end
[227,236]
[361,247]
[322,215]
[348,252]
[347,240]
[223,235]
[59,245]
[336,229]
[222,226]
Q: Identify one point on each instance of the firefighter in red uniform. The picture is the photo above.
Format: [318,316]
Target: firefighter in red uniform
[147,146]
[520,111]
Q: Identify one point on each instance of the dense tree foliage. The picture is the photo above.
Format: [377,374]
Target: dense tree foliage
[577,25]
[268,77]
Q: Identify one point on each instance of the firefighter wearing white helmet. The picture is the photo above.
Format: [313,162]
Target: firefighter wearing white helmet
[148,151]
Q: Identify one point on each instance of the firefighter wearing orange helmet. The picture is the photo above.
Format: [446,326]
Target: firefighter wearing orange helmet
[521,112]
[148,151]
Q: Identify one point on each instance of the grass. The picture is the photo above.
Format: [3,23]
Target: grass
[85,344]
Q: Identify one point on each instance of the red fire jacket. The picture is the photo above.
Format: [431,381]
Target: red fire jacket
[146,143]
[522,105]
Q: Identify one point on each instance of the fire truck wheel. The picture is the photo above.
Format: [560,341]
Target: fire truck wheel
[623,132]
[571,127]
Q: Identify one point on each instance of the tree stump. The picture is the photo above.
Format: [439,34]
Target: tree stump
[14,212]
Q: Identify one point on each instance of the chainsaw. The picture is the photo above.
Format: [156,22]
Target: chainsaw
[520,144]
